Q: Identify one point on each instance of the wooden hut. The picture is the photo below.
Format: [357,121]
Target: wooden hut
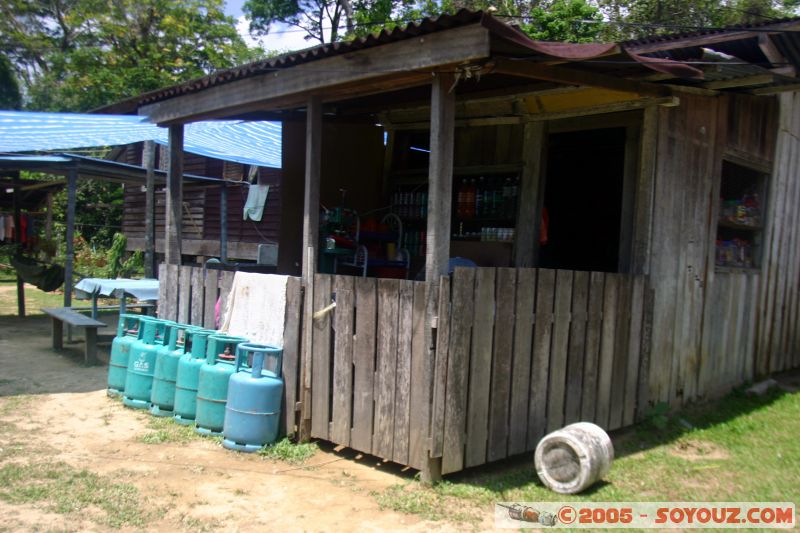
[202,208]
[631,208]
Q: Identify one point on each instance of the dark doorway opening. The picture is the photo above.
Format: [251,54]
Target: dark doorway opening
[583,200]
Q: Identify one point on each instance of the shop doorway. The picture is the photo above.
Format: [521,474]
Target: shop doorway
[583,201]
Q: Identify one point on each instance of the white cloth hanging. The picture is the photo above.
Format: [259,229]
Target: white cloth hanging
[256,308]
[256,199]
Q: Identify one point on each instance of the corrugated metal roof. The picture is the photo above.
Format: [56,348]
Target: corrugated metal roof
[678,36]
[788,43]
[250,143]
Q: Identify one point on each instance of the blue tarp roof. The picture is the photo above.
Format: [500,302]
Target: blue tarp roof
[249,143]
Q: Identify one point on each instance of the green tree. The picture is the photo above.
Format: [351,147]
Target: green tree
[325,20]
[75,55]
[10,97]
[639,18]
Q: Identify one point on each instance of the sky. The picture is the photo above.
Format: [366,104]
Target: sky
[282,38]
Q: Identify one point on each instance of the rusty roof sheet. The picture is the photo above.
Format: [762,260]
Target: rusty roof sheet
[710,32]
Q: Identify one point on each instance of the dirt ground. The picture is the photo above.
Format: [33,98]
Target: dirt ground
[56,409]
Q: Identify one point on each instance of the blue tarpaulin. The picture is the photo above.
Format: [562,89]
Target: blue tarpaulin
[246,142]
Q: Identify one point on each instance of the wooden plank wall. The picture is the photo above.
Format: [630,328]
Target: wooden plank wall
[368,390]
[188,295]
[530,350]
[715,329]
[778,345]
[687,155]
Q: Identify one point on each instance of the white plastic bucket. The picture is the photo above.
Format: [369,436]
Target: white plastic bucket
[573,458]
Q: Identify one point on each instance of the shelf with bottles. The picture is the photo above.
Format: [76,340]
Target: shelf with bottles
[486,199]
[736,252]
[410,203]
[743,212]
[483,233]
[741,216]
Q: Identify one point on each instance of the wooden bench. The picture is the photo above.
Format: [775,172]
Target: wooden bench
[59,315]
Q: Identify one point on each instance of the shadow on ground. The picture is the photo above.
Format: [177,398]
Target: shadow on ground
[31,366]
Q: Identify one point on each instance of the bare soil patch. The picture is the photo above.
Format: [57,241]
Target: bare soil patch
[54,411]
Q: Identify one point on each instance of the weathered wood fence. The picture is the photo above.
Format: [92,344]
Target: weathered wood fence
[530,350]
[189,295]
[371,372]
[518,352]
[511,355]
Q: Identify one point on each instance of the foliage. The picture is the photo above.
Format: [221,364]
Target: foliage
[543,19]
[10,97]
[288,452]
[81,54]
[646,17]
[111,263]
[98,211]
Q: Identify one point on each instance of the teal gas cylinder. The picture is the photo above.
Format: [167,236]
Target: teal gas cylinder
[212,387]
[142,362]
[165,374]
[188,375]
[128,331]
[254,399]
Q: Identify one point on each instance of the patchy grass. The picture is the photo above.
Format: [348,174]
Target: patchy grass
[288,452]
[35,299]
[164,429]
[413,498]
[739,449]
[10,405]
[200,525]
[63,489]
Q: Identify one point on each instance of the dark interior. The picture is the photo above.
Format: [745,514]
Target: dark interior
[583,199]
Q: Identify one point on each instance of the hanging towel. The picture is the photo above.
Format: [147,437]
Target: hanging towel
[256,308]
[256,199]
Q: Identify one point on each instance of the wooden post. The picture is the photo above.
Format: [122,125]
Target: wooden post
[223,222]
[48,222]
[72,189]
[17,200]
[531,198]
[173,231]
[440,193]
[440,177]
[149,162]
[313,169]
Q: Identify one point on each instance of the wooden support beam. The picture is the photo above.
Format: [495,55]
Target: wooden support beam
[17,204]
[616,107]
[72,190]
[777,89]
[440,177]
[174,218]
[526,238]
[223,222]
[774,56]
[454,46]
[747,81]
[313,172]
[572,76]
[149,162]
[48,221]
